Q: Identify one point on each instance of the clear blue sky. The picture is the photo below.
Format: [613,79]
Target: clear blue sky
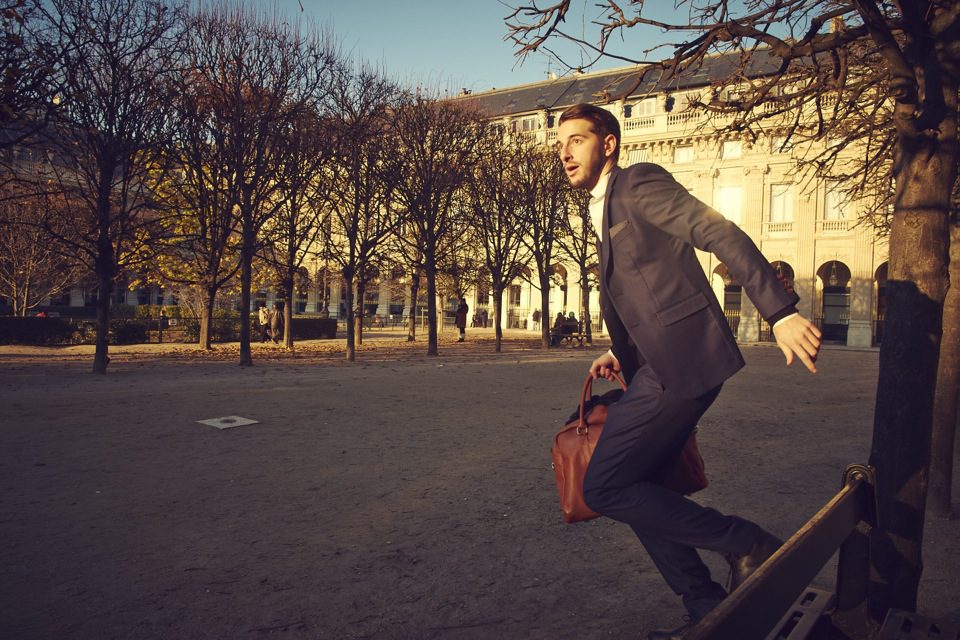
[444,43]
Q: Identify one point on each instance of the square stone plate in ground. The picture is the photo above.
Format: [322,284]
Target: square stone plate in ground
[228,422]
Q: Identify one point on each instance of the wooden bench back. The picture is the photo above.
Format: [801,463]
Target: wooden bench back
[754,609]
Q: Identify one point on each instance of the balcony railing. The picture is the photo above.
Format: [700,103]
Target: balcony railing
[684,117]
[834,226]
[640,123]
[779,227]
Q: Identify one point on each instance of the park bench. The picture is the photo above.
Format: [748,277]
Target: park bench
[777,603]
[570,331]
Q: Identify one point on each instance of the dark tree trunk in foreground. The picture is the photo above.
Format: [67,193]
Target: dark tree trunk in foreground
[900,450]
[947,394]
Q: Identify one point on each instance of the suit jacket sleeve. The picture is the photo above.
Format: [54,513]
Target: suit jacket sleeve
[664,203]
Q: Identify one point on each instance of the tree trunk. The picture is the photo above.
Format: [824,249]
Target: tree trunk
[412,320]
[104,290]
[497,319]
[206,319]
[432,309]
[547,325]
[288,310]
[105,268]
[947,394]
[246,279]
[351,345]
[585,307]
[908,365]
[358,318]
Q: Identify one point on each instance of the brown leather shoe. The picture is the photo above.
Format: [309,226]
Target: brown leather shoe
[741,567]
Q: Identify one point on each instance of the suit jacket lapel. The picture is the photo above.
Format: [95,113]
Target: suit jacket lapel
[605,224]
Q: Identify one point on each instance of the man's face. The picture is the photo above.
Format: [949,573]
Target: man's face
[583,152]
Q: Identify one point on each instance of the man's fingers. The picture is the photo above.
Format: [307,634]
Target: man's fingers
[807,360]
[788,354]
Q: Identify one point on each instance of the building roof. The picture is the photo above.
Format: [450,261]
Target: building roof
[607,86]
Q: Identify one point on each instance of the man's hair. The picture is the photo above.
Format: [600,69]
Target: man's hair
[604,123]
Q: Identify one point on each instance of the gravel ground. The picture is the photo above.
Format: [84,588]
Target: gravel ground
[397,497]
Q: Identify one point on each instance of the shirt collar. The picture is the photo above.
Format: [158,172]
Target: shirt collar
[600,189]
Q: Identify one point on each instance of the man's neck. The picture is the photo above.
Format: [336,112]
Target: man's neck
[600,187]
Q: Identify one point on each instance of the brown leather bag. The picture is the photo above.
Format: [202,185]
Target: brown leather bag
[574,444]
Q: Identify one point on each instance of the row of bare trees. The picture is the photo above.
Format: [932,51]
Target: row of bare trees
[220,147]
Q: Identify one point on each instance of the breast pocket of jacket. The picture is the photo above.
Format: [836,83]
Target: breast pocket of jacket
[683,309]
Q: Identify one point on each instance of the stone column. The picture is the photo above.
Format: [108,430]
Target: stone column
[860,329]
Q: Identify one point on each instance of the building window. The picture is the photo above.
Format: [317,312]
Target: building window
[732,149]
[646,107]
[683,154]
[833,205]
[781,202]
[637,155]
[778,144]
[729,201]
[90,295]
[525,124]
[514,295]
[63,300]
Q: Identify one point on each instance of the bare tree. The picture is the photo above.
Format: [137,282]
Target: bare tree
[437,145]
[201,247]
[579,244]
[498,223]
[544,194]
[31,268]
[883,76]
[111,61]
[26,83]
[262,74]
[363,212]
[305,184]
[408,255]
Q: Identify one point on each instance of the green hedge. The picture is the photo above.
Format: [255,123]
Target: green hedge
[39,331]
[124,331]
[308,328]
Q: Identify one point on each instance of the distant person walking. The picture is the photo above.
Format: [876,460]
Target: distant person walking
[263,322]
[461,322]
[276,322]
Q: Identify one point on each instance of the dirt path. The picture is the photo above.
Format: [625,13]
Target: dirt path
[400,497]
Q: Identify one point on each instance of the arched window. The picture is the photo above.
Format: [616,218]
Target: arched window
[835,300]
[880,311]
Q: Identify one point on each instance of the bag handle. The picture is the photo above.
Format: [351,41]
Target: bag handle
[587,392]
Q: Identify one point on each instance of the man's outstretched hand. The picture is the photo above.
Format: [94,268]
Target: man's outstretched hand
[798,337]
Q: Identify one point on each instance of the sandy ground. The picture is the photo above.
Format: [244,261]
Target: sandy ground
[398,497]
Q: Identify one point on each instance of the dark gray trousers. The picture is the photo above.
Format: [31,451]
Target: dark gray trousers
[645,427]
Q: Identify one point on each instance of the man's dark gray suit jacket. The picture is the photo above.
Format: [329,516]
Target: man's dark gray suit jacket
[656,300]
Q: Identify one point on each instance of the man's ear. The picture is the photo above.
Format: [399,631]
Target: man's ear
[609,145]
